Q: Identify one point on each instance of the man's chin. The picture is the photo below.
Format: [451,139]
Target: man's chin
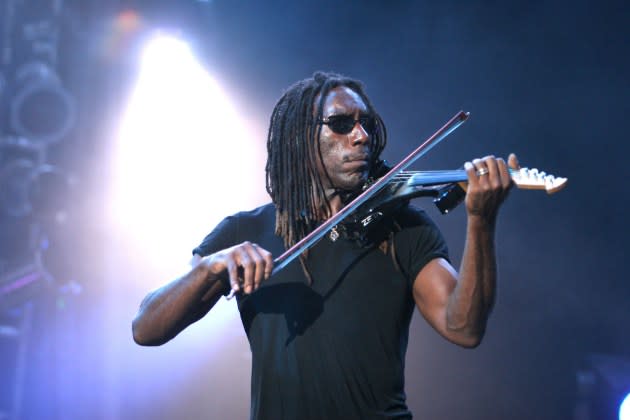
[353,183]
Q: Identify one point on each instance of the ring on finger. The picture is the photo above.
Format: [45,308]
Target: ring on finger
[482,171]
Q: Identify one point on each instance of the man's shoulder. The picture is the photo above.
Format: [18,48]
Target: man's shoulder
[259,219]
[253,225]
[411,216]
[264,211]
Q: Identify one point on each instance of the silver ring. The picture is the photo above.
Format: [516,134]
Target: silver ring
[482,171]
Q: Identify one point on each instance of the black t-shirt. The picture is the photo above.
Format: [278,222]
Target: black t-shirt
[334,349]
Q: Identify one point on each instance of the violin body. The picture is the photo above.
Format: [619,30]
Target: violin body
[371,222]
[446,187]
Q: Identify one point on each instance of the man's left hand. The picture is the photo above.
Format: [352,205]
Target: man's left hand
[489,183]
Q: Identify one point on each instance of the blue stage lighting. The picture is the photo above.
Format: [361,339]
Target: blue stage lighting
[624,408]
[603,388]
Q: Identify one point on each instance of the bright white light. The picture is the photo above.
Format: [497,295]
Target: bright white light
[185,157]
[624,409]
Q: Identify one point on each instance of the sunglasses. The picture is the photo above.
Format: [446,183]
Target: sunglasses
[344,124]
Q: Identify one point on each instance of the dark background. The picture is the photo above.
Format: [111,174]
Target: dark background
[546,80]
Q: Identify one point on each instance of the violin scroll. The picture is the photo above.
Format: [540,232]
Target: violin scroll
[533,179]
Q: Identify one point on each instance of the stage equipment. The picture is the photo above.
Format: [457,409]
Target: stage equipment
[603,385]
[41,109]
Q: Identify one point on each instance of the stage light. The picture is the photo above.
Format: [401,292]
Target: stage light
[624,408]
[184,159]
[41,109]
[603,388]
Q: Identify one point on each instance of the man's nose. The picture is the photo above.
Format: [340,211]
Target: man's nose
[359,135]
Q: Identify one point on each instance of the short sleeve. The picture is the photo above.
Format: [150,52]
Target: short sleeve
[222,236]
[254,225]
[418,242]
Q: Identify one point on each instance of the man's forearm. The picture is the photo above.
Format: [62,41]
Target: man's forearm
[473,297]
[168,310]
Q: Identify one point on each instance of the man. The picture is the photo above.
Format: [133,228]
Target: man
[329,334]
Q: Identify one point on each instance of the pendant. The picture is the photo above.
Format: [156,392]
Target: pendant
[334,234]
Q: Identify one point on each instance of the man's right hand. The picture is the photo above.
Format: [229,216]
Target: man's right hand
[247,265]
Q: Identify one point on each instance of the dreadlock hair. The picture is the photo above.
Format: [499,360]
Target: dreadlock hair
[293,153]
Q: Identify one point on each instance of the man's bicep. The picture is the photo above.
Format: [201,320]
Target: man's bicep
[432,289]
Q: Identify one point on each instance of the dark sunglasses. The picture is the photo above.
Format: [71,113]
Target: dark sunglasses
[344,124]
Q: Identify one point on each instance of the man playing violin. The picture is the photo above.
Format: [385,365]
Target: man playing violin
[329,334]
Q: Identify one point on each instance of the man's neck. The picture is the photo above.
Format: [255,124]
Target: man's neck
[337,200]
[336,203]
